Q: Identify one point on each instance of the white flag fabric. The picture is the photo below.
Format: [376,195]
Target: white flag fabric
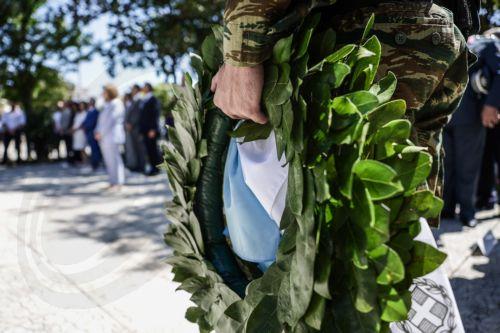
[433,309]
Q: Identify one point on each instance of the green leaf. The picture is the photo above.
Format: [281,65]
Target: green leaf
[295,191]
[388,264]
[385,88]
[393,306]
[316,312]
[379,231]
[340,72]
[343,106]
[282,50]
[334,57]
[420,204]
[386,112]
[211,54]
[378,178]
[355,245]
[362,208]
[251,131]
[395,130]
[304,37]
[194,313]
[344,165]
[287,117]
[348,320]
[366,289]
[278,92]
[302,266]
[366,67]
[413,169]
[368,27]
[263,317]
[365,101]
[425,259]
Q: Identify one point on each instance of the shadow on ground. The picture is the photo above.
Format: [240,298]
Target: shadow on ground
[137,226]
[479,299]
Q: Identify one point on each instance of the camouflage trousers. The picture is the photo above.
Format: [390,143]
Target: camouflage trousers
[428,55]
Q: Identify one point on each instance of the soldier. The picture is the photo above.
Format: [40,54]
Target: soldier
[420,44]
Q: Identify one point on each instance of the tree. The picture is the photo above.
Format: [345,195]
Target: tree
[157,32]
[36,39]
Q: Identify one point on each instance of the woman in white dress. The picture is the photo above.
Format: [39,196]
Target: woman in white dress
[111,134]
[79,139]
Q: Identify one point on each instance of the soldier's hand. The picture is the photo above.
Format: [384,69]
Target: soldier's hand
[238,91]
[490,116]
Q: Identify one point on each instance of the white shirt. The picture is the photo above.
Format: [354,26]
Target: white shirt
[14,119]
[110,122]
[56,119]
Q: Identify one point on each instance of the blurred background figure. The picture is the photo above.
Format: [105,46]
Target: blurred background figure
[464,137]
[134,145]
[149,125]
[89,126]
[487,194]
[13,121]
[66,125]
[110,134]
[79,140]
[56,126]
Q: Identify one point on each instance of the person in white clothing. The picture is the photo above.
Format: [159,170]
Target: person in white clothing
[79,139]
[14,121]
[111,134]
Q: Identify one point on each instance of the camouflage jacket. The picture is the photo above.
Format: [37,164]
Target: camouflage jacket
[247,25]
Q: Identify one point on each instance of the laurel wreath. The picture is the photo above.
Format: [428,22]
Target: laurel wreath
[356,191]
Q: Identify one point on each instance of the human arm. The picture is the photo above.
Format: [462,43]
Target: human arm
[238,84]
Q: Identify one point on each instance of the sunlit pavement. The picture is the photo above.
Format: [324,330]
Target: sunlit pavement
[475,278]
[77,259]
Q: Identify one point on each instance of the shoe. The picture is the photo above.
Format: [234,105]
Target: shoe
[471,223]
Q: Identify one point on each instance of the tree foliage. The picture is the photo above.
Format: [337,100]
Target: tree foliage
[36,37]
[356,192]
[157,32]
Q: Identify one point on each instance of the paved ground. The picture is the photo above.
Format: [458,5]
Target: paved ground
[77,259]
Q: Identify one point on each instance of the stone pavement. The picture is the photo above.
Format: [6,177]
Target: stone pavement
[77,259]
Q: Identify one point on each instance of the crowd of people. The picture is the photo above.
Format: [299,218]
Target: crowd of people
[121,132]
[12,123]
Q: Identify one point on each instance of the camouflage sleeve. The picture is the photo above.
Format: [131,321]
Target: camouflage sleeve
[246,23]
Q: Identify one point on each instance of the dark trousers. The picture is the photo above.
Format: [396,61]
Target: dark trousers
[8,137]
[463,145]
[68,142]
[152,151]
[491,157]
[135,153]
[95,151]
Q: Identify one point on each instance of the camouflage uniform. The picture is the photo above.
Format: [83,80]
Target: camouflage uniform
[420,44]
